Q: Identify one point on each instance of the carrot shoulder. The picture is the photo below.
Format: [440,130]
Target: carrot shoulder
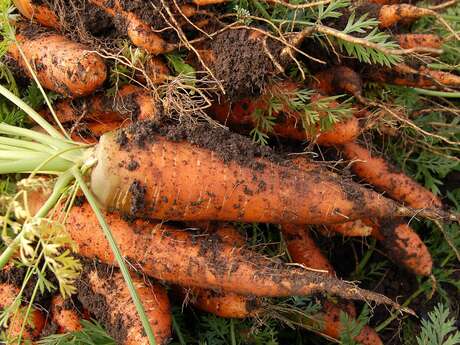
[61,65]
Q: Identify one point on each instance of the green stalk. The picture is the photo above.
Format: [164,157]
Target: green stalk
[116,251]
[436,93]
[56,165]
[25,144]
[60,184]
[29,111]
[18,154]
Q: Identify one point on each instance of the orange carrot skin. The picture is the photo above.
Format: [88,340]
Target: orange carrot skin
[272,193]
[383,176]
[288,123]
[390,15]
[61,65]
[39,13]
[410,41]
[119,312]
[65,318]
[8,293]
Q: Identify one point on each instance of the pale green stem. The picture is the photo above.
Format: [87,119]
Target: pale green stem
[19,154]
[437,93]
[30,145]
[57,165]
[32,113]
[36,136]
[12,149]
[116,251]
[61,183]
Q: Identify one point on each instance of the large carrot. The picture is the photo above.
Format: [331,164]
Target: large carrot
[387,178]
[103,292]
[304,250]
[65,316]
[33,326]
[61,65]
[198,261]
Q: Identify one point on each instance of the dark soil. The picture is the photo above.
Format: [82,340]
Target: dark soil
[241,63]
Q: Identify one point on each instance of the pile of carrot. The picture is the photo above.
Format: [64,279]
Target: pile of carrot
[156,174]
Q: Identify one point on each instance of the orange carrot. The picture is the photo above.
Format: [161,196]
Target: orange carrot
[140,33]
[387,178]
[37,12]
[264,190]
[410,41]
[199,261]
[389,15]
[224,304]
[104,293]
[64,316]
[34,325]
[60,65]
[304,250]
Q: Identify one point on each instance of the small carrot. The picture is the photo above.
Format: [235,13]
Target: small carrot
[103,292]
[37,12]
[410,41]
[61,65]
[387,178]
[140,33]
[64,316]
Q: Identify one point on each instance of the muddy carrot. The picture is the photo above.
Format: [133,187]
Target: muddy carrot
[37,12]
[34,325]
[61,65]
[65,316]
[389,15]
[410,41]
[103,292]
[387,178]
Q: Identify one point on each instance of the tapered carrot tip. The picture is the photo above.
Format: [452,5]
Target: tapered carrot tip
[404,246]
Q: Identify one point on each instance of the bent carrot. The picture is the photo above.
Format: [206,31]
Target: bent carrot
[304,250]
[65,317]
[34,325]
[387,178]
[103,292]
[61,65]
[37,12]
[264,190]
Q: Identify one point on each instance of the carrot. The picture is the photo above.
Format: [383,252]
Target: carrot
[198,261]
[35,323]
[103,292]
[130,103]
[264,192]
[37,12]
[224,304]
[140,33]
[288,122]
[387,178]
[304,250]
[339,79]
[64,316]
[410,41]
[61,65]
[389,15]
